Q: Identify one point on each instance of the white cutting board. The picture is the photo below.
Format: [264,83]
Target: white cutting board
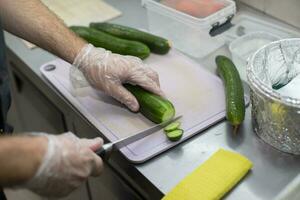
[196,93]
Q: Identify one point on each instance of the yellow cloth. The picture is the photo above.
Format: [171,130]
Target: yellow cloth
[213,179]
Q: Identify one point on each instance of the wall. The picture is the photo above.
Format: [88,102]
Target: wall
[285,10]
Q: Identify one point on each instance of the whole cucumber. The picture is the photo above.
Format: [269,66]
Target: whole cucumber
[112,43]
[235,103]
[156,44]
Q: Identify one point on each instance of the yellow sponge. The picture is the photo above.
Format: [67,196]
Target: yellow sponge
[213,179]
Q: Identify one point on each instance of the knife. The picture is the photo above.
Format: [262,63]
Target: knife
[106,150]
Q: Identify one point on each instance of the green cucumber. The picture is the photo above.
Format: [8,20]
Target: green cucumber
[156,44]
[171,127]
[154,107]
[175,135]
[235,103]
[112,43]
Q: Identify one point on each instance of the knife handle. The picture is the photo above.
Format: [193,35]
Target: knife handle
[105,151]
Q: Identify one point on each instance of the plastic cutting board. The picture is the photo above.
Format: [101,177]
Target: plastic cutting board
[196,93]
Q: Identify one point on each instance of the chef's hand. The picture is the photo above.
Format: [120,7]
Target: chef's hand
[107,71]
[67,163]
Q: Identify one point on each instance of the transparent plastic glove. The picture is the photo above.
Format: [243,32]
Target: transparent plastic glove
[68,162]
[107,71]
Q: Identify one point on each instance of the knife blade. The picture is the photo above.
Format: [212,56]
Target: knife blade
[105,151]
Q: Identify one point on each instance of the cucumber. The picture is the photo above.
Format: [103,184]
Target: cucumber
[235,103]
[175,135]
[112,43]
[154,107]
[171,127]
[156,44]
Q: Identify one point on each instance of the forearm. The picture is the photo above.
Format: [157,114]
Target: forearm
[20,157]
[33,21]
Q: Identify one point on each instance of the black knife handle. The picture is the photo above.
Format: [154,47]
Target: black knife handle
[105,151]
[100,152]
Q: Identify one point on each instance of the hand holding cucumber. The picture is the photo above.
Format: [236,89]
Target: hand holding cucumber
[107,72]
[111,72]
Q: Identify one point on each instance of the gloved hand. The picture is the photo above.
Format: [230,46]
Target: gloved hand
[67,163]
[107,71]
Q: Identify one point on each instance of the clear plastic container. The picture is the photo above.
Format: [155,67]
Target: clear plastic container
[244,47]
[276,117]
[189,29]
[245,24]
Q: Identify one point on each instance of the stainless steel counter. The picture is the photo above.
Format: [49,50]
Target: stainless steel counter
[272,169]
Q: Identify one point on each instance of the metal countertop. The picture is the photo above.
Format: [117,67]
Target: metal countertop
[272,169]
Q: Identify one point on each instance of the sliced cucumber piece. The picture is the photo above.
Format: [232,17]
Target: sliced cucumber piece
[175,135]
[154,107]
[171,127]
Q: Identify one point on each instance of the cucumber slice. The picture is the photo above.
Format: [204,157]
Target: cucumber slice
[171,127]
[175,135]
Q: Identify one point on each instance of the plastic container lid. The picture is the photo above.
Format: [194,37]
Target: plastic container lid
[245,24]
[244,47]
